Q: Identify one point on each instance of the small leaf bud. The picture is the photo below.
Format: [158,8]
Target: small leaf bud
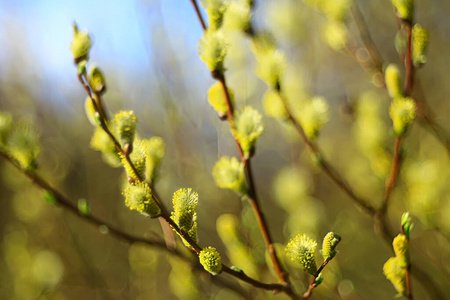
[210,260]
[83,207]
[301,249]
[81,44]
[406,224]
[90,111]
[229,174]
[139,197]
[50,198]
[393,81]
[249,128]
[403,113]
[96,80]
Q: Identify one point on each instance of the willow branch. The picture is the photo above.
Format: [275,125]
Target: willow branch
[248,172]
[324,164]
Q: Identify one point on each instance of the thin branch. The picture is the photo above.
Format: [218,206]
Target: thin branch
[366,38]
[118,233]
[324,164]
[312,284]
[247,168]
[393,175]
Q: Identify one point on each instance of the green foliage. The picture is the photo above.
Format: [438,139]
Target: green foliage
[229,174]
[213,49]
[393,81]
[249,128]
[125,126]
[81,44]
[406,224]
[420,37]
[301,249]
[210,260]
[139,197]
[403,113]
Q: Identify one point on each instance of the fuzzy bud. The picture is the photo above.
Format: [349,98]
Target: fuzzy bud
[330,242]
[335,35]
[138,158]
[400,245]
[139,197]
[404,8]
[23,145]
[420,37]
[96,80]
[249,128]
[313,116]
[210,260]
[216,98]
[213,49]
[271,64]
[273,105]
[81,44]
[155,147]
[238,16]
[393,81]
[301,249]
[215,10]
[125,125]
[395,271]
[91,113]
[229,174]
[185,202]
[403,113]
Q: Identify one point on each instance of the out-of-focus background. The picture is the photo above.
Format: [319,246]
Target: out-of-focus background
[148,52]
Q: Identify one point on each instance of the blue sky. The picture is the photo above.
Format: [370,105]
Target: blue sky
[119,29]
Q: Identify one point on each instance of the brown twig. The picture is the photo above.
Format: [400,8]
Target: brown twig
[324,164]
[252,197]
[393,175]
[312,284]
